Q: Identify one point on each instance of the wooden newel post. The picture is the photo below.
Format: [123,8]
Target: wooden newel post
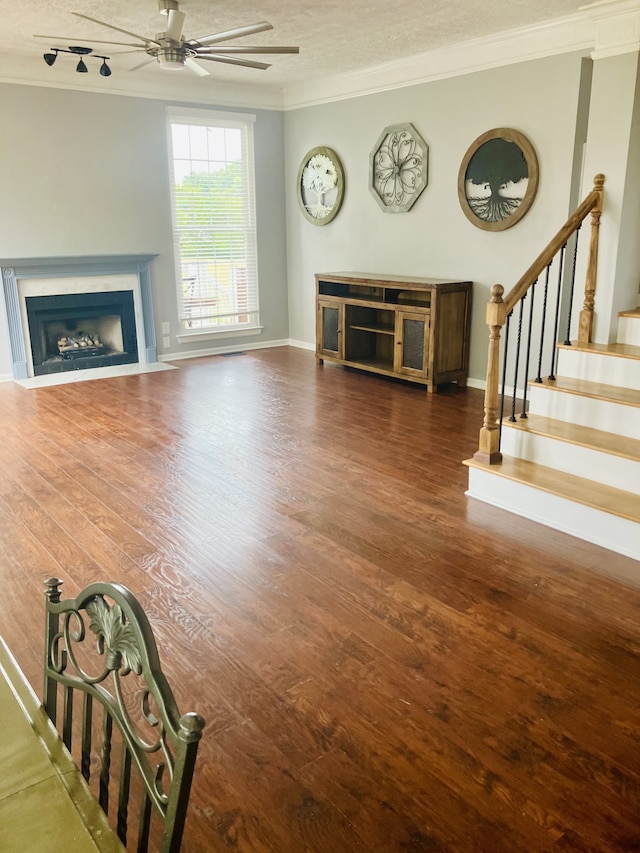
[489,444]
[585,326]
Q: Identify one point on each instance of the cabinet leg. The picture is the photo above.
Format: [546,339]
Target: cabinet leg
[319,361]
[462,383]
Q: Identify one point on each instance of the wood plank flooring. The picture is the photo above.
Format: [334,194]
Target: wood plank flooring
[383,663]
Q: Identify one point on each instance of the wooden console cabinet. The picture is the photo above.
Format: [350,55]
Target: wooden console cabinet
[411,328]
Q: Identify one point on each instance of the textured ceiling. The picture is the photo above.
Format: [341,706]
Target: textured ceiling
[335,36]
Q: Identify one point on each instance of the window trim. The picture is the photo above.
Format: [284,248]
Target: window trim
[208,118]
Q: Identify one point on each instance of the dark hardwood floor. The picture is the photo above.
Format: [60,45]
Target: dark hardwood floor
[383,663]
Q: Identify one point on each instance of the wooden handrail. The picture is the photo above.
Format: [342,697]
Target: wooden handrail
[591,202]
[499,309]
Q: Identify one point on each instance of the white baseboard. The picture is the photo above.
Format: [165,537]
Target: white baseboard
[6,377]
[302,345]
[239,347]
[477,383]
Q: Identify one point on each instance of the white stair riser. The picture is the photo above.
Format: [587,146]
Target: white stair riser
[629,331]
[596,465]
[592,525]
[595,367]
[586,411]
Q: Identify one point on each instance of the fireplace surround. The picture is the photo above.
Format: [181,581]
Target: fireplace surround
[107,297]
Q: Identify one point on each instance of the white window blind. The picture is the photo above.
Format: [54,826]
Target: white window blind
[213,204]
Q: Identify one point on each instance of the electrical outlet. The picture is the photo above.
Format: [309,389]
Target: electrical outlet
[166,328]
[166,342]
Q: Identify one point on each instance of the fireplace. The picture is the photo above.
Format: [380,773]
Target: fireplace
[81,331]
[71,314]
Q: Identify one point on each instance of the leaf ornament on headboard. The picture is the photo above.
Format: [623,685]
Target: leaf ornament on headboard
[115,635]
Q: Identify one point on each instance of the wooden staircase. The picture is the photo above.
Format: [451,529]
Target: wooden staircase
[574,462]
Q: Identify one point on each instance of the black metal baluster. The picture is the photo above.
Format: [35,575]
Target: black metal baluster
[517,364]
[556,322]
[544,320]
[504,374]
[573,281]
[523,414]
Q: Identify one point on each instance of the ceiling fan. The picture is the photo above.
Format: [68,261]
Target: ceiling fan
[172,51]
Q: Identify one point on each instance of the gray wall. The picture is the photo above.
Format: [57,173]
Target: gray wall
[86,174]
[434,238]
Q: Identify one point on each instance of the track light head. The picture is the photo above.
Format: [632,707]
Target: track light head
[50,58]
[105,71]
[81,68]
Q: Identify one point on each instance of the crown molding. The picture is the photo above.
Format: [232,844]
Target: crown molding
[156,85]
[603,29]
[617,27]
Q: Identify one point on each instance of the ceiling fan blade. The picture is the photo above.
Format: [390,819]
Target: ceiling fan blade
[248,63]
[72,39]
[175,25]
[203,51]
[232,34]
[142,64]
[118,29]
[195,68]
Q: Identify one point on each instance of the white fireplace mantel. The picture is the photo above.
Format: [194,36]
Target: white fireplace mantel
[15,269]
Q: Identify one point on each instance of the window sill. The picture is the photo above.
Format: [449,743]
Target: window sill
[211,334]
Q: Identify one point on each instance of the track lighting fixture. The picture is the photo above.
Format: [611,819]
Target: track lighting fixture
[82,52]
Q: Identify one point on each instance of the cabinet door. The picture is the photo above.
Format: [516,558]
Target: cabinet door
[412,344]
[330,329]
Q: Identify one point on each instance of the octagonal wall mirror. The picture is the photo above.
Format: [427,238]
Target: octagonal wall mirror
[398,168]
[498,179]
[320,185]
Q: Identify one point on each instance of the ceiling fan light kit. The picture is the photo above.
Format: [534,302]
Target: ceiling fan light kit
[172,51]
[170,59]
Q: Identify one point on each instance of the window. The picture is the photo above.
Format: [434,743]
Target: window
[213,205]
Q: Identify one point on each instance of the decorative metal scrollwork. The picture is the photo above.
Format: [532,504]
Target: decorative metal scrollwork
[399,168]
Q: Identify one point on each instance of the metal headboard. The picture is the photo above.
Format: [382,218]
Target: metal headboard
[155,740]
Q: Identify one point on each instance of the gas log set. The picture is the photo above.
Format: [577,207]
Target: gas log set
[80,344]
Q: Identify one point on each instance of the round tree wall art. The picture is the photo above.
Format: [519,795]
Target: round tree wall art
[498,179]
[320,185]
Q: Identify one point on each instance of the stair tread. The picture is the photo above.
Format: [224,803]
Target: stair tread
[619,350]
[597,390]
[594,439]
[568,486]
[631,312]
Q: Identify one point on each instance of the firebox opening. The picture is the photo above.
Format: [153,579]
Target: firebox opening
[82,330]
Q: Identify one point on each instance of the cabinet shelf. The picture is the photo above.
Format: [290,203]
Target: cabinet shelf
[414,329]
[385,364]
[381,329]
